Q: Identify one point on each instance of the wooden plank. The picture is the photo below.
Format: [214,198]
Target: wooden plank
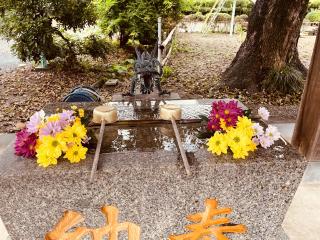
[169,38]
[306,136]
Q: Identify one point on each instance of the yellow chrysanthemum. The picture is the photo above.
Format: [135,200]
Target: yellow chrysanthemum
[77,120]
[75,133]
[51,146]
[223,125]
[76,153]
[81,113]
[240,152]
[246,125]
[45,161]
[74,107]
[240,142]
[218,144]
[53,118]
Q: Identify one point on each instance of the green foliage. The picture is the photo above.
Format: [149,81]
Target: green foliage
[288,80]
[136,19]
[95,46]
[314,4]
[313,16]
[38,26]
[118,69]
[167,71]
[193,6]
[204,6]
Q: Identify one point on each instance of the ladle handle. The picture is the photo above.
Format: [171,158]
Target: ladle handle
[97,153]
[182,152]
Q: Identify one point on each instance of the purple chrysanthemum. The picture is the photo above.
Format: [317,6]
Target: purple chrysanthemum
[227,111]
[51,128]
[25,144]
[35,121]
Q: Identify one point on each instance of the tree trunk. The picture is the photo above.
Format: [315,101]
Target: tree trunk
[124,37]
[271,43]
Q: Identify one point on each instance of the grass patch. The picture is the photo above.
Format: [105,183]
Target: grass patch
[288,80]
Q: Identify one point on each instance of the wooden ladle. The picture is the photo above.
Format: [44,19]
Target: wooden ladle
[172,113]
[102,114]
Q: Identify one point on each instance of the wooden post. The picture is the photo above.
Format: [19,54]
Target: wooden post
[306,135]
[159,39]
[232,17]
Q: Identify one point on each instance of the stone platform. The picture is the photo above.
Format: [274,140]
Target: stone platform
[152,190]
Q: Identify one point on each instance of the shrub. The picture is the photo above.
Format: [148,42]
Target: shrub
[286,80]
[95,46]
[313,16]
[242,18]
[196,17]
[223,17]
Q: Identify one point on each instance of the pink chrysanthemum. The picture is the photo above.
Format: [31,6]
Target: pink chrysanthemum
[51,128]
[227,111]
[25,144]
[66,117]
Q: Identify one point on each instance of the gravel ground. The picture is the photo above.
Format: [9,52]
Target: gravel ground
[152,190]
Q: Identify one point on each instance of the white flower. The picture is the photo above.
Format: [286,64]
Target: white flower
[265,141]
[263,113]
[273,133]
[258,129]
[256,141]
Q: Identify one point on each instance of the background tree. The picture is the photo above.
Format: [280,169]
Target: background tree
[37,26]
[136,19]
[269,57]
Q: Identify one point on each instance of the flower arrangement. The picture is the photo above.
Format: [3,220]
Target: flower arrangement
[233,130]
[49,137]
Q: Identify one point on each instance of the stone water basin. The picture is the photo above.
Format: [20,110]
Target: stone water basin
[145,178]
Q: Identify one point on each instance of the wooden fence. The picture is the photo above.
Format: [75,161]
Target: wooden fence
[166,47]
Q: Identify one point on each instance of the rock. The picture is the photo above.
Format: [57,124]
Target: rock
[111,82]
[20,125]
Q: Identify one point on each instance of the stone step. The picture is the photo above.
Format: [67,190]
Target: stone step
[6,140]
[286,130]
[3,231]
[302,218]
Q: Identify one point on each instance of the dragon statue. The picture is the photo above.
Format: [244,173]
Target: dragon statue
[148,72]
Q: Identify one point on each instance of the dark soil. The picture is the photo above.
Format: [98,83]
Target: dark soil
[199,60]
